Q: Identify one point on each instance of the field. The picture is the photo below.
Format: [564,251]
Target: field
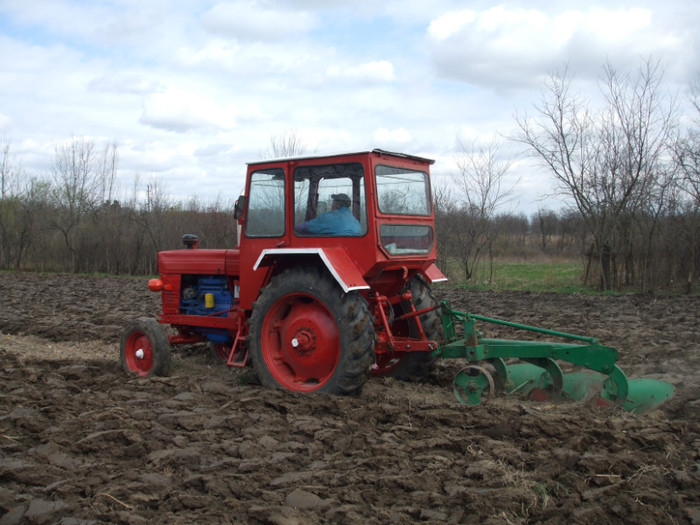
[82,442]
[562,276]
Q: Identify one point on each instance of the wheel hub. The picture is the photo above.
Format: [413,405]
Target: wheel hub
[311,340]
[139,353]
[303,342]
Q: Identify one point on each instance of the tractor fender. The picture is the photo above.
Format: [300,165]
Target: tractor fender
[433,274]
[337,261]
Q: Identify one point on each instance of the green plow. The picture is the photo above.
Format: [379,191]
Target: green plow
[597,379]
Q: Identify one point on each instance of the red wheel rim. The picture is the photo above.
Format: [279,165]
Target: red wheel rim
[222,351]
[300,342]
[138,353]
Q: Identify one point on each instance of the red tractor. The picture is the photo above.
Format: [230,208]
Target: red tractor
[329,284]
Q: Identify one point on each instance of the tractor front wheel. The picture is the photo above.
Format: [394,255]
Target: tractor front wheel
[145,349]
[307,335]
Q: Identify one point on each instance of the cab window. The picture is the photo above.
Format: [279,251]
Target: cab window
[402,191]
[265,217]
[329,200]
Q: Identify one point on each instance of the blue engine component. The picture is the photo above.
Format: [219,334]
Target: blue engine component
[193,301]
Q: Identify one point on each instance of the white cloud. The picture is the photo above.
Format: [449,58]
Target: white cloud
[253,21]
[126,83]
[448,25]
[392,137]
[182,111]
[217,52]
[616,25]
[5,123]
[513,46]
[369,72]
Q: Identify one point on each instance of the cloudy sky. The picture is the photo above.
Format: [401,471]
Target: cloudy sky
[192,90]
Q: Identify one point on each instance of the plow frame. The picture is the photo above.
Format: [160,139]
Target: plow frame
[541,371]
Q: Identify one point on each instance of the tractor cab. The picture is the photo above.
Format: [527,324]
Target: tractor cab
[366,217]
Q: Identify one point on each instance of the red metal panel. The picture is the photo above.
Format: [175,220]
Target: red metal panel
[233,262]
[230,323]
[344,269]
[336,259]
[434,275]
[171,297]
[202,262]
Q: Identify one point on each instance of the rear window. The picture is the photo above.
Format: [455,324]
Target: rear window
[406,239]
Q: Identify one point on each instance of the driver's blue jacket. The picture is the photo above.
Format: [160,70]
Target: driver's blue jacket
[337,222]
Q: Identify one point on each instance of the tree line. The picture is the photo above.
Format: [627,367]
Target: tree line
[629,169]
[73,221]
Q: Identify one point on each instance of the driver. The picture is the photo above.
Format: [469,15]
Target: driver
[338,221]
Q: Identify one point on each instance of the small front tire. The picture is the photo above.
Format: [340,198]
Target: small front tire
[145,349]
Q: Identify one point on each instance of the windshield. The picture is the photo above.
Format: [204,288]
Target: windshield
[402,191]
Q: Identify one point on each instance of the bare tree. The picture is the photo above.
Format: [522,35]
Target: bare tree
[687,151]
[24,205]
[6,207]
[545,222]
[288,144]
[446,225]
[109,168]
[7,169]
[607,161]
[687,157]
[81,178]
[32,214]
[154,213]
[480,183]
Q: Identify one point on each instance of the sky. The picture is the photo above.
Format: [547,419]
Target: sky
[192,90]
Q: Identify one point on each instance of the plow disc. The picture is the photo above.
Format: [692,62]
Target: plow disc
[537,374]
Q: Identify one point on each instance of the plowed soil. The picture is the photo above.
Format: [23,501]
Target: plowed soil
[82,442]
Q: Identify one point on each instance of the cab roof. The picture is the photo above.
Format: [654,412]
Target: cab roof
[379,152]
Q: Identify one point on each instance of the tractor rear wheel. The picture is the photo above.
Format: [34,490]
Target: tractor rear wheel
[412,366]
[145,349]
[307,335]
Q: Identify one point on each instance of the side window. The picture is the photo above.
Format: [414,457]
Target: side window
[402,191]
[265,217]
[330,200]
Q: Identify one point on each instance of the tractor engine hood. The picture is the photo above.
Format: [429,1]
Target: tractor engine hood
[200,262]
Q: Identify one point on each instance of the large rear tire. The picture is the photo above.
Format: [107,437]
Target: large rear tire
[145,349]
[307,335]
[412,366]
